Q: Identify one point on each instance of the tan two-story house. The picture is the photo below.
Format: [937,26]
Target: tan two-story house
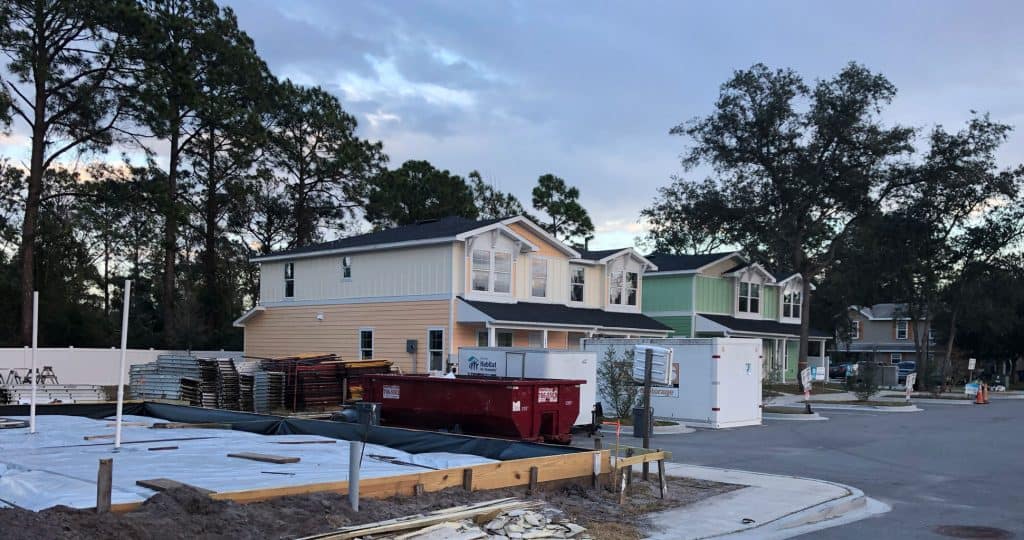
[415,294]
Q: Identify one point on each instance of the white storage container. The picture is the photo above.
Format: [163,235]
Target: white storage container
[719,379]
[536,364]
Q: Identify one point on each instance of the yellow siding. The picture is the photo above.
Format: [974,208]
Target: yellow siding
[282,331]
[544,247]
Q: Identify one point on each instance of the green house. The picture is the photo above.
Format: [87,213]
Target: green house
[725,295]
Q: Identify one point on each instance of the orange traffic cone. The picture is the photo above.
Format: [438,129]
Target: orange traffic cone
[979,398]
[985,386]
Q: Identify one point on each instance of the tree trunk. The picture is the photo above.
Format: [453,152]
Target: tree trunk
[805,325]
[171,241]
[40,73]
[951,338]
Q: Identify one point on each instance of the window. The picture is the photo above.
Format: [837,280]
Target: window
[346,268]
[366,343]
[492,271]
[481,270]
[750,297]
[895,358]
[501,339]
[615,287]
[791,305]
[855,330]
[576,281]
[502,272]
[435,349]
[539,277]
[931,335]
[289,280]
[632,282]
[901,329]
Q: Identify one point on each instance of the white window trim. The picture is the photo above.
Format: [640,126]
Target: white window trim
[760,300]
[428,350]
[793,305]
[856,329]
[547,275]
[906,330]
[895,358]
[344,259]
[373,341]
[626,288]
[512,342]
[490,293]
[583,286]
[284,292]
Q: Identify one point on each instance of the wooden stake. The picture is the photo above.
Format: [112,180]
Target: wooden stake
[104,480]
[467,479]
[417,490]
[629,468]
[622,485]
[661,478]
[648,417]
[533,479]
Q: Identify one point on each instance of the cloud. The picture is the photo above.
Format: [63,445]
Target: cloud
[387,83]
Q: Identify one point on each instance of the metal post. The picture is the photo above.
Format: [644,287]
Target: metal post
[355,454]
[34,372]
[124,360]
[648,428]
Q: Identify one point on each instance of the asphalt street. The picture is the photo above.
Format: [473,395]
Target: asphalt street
[950,465]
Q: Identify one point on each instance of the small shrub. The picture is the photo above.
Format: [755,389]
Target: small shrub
[615,383]
[864,383]
[771,385]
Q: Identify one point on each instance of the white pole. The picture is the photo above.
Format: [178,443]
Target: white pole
[35,345]
[124,359]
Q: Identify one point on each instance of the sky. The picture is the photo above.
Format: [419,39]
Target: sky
[588,91]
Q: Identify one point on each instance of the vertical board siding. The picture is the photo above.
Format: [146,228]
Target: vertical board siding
[682,326]
[283,331]
[792,352]
[668,293]
[400,272]
[770,298]
[714,295]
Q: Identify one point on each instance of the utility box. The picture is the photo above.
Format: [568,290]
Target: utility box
[716,381]
[534,363]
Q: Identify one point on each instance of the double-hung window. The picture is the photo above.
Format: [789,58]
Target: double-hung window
[632,282]
[749,297]
[791,305]
[902,328]
[346,268]
[289,280]
[855,329]
[435,349]
[366,343]
[615,287]
[895,358]
[491,271]
[539,277]
[576,281]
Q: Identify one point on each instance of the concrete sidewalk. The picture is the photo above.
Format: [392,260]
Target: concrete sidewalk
[771,506]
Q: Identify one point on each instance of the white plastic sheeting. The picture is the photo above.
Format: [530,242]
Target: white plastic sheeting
[58,466]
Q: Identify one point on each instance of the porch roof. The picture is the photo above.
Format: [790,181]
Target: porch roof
[768,328]
[560,315]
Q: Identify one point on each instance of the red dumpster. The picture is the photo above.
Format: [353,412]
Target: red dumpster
[527,409]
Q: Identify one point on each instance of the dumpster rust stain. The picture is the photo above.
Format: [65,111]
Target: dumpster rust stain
[972,531]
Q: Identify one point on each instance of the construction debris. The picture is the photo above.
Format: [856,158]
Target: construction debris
[223,383]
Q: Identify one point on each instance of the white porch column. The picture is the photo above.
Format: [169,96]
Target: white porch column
[544,338]
[492,338]
[785,359]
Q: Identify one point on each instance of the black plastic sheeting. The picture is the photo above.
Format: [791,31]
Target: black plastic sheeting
[408,440]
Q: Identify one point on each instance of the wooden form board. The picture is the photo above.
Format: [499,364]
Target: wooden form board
[642,458]
[161,484]
[266,458]
[485,476]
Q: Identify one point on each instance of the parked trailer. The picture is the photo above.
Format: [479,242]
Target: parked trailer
[717,381]
[536,364]
[526,409]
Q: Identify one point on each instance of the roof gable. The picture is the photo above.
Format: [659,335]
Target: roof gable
[684,263]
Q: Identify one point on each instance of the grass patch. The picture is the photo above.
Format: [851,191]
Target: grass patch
[794,388]
[931,396]
[629,422]
[869,403]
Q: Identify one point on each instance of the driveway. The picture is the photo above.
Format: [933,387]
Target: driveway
[948,465]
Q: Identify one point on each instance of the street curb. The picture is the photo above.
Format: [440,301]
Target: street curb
[677,429]
[869,408]
[813,417]
[805,518]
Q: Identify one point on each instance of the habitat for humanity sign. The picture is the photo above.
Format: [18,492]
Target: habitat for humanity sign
[481,366]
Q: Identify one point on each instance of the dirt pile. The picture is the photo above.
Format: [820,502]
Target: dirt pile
[187,514]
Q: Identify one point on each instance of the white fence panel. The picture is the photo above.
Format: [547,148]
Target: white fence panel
[86,366]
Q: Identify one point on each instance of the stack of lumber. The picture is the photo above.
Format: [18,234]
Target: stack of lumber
[161,379]
[319,380]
